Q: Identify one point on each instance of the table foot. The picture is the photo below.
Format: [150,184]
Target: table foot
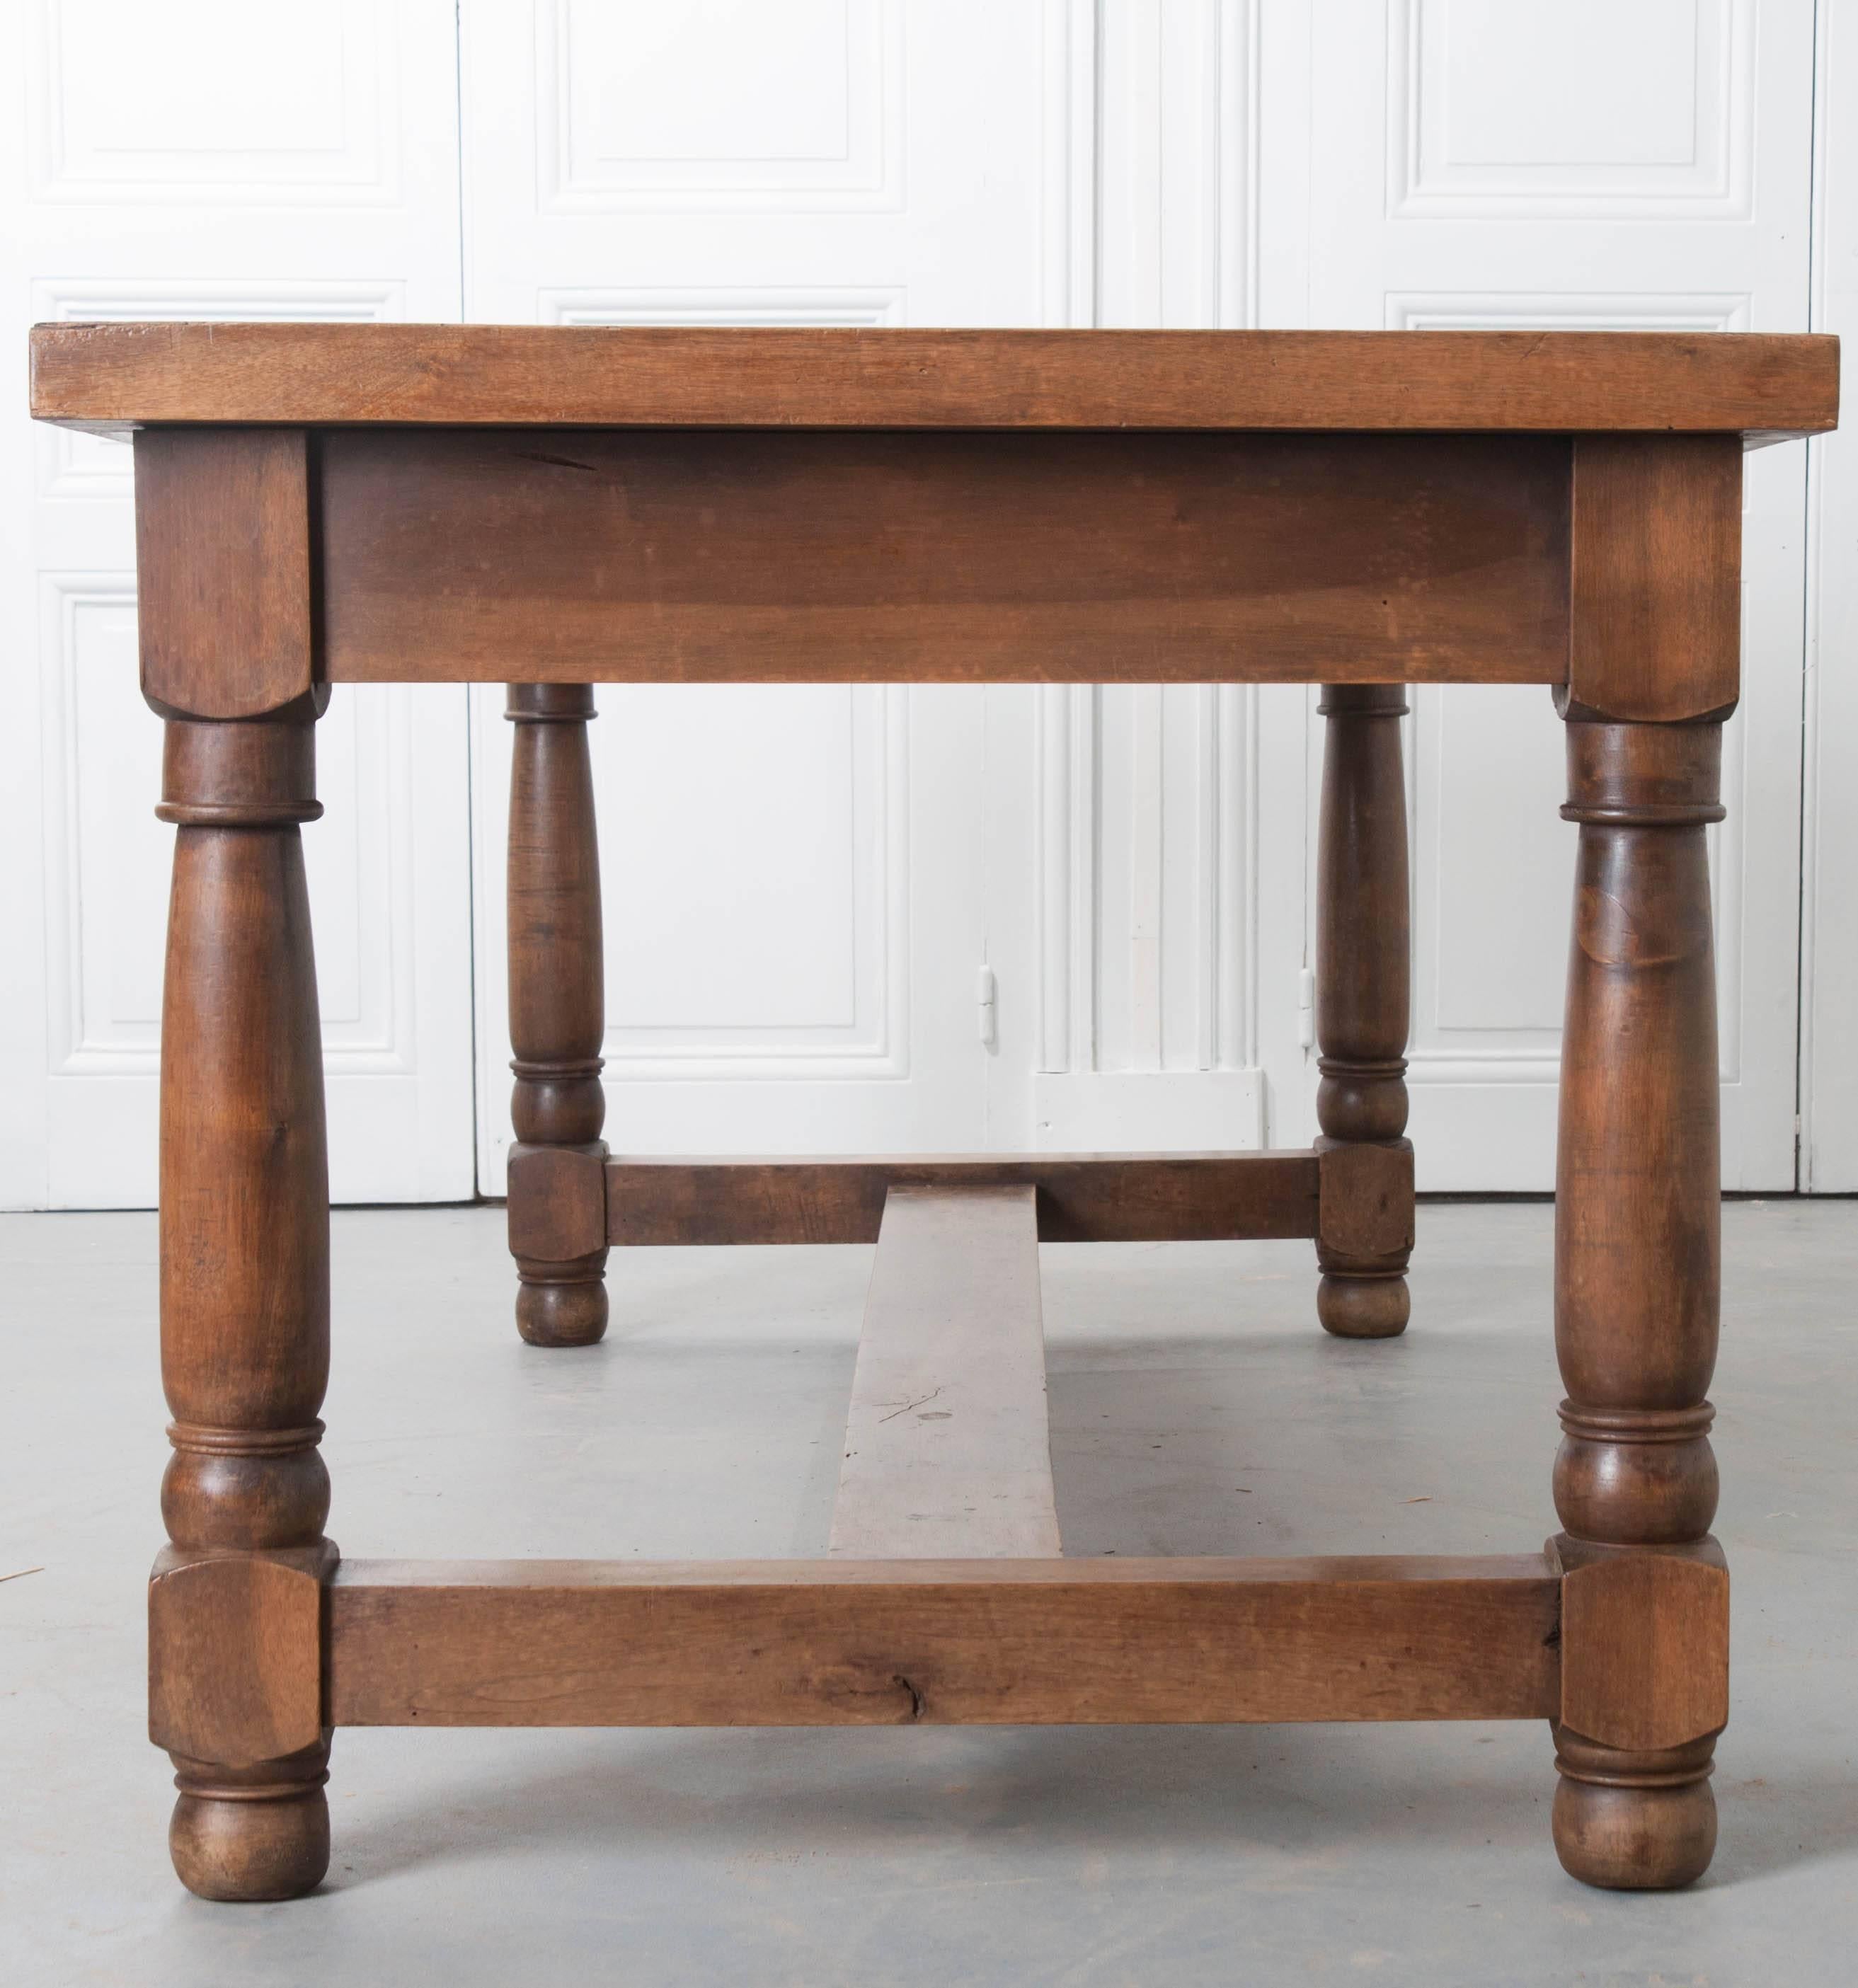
[564,1307]
[1633,1822]
[1363,1304]
[252,1835]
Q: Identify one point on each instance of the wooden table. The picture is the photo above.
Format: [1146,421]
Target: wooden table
[557,508]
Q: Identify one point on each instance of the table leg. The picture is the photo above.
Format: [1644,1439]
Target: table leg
[1363,983]
[244,1317]
[1637,1276]
[557,998]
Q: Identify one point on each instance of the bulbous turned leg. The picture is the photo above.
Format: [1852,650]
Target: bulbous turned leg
[1362,982]
[236,1603]
[1637,1278]
[557,1012]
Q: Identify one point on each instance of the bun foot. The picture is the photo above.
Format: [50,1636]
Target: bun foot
[1363,1307]
[1629,1822]
[237,1841]
[562,1314]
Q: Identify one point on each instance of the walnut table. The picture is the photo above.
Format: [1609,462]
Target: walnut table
[554,509]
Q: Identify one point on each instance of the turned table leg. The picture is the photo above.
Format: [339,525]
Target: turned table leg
[236,1603]
[557,999]
[1363,991]
[1637,1256]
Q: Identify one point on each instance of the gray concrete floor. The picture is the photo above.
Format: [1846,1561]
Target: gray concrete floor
[1196,1408]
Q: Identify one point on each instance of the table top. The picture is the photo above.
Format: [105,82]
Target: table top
[112,377]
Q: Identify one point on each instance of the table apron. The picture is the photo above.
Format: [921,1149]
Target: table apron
[704,556]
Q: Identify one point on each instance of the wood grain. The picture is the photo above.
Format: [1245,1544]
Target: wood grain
[1082,1197]
[1638,1240]
[1365,1207]
[223,520]
[1645,1655]
[1655,621]
[235,1653]
[109,376]
[696,557]
[976,1642]
[557,1210]
[948,1453]
[244,1164]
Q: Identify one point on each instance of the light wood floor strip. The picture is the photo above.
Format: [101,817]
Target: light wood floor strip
[948,1452]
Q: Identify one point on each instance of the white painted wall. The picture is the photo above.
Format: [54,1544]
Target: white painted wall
[804,885]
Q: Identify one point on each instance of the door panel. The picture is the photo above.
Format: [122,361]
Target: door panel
[1150,963]
[796,878]
[206,160]
[1572,164]
[774,860]
[1829,892]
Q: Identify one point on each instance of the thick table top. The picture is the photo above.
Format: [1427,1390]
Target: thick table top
[114,377]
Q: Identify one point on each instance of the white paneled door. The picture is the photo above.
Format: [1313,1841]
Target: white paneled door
[213,159]
[1829,895]
[872,918]
[887,919]
[796,877]
[1580,164]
